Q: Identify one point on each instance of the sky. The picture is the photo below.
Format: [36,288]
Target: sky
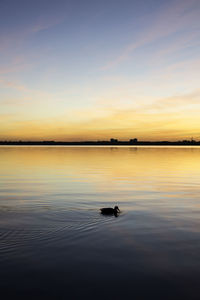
[95,70]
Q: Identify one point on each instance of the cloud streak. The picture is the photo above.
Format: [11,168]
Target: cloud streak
[176,17]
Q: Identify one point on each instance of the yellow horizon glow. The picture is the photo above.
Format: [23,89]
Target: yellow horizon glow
[166,119]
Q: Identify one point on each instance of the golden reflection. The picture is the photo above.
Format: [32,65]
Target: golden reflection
[104,164]
[145,176]
[115,161]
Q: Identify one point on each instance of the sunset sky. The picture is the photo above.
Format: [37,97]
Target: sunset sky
[92,70]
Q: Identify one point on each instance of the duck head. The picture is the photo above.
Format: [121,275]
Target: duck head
[116,209]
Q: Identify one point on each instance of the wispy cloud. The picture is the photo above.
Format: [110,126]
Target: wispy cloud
[16,36]
[175,16]
[13,85]
[46,22]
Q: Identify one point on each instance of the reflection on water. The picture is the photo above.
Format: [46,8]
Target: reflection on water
[54,243]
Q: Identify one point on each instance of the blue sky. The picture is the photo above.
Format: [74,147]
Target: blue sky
[76,70]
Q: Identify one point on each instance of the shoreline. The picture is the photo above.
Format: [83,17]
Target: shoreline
[52,143]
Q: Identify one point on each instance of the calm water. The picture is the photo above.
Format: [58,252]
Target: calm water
[54,244]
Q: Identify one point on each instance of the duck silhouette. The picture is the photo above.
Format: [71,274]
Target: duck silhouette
[110,210]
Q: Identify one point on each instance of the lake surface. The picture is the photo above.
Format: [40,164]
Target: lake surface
[54,243]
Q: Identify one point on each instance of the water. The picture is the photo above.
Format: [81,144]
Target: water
[54,243]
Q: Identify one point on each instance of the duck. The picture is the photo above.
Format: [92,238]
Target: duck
[110,210]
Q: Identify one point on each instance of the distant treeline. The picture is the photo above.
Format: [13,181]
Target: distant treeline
[111,142]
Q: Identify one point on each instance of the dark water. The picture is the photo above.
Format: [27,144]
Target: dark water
[54,244]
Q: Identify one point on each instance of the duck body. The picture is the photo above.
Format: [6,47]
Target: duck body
[110,210]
